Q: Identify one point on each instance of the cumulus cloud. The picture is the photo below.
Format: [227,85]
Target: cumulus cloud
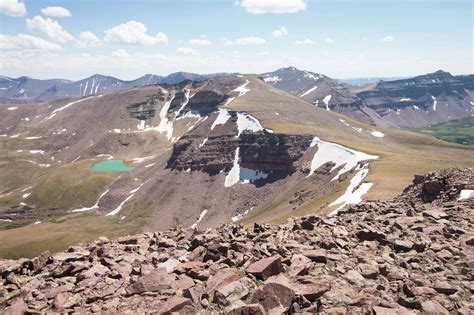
[26,42]
[200,42]
[120,53]
[56,12]
[305,41]
[87,39]
[12,8]
[388,39]
[187,51]
[272,6]
[50,28]
[133,33]
[329,40]
[282,31]
[251,40]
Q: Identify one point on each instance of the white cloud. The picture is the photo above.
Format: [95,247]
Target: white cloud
[50,28]
[388,39]
[87,39]
[251,40]
[26,42]
[329,40]
[56,12]
[199,42]
[187,51]
[282,31]
[120,53]
[133,33]
[12,8]
[305,41]
[273,6]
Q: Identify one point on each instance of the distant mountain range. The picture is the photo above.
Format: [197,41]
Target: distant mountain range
[410,102]
[414,102]
[26,90]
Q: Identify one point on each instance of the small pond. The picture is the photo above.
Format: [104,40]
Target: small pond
[112,166]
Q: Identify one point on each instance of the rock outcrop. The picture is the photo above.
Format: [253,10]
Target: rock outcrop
[413,254]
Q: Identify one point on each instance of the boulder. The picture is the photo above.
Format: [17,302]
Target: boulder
[433,307]
[273,295]
[266,267]
[156,280]
[174,304]
[249,309]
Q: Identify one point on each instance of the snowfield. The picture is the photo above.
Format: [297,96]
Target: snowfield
[340,155]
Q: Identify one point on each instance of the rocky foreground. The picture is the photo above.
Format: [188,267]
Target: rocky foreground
[413,254]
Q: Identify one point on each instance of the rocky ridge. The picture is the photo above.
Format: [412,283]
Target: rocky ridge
[412,254]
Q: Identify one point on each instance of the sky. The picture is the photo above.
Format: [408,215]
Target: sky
[73,39]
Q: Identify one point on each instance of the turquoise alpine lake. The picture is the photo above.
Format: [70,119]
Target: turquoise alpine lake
[112,166]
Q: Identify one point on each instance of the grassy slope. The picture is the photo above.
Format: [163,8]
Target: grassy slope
[402,154]
[458,131]
[57,235]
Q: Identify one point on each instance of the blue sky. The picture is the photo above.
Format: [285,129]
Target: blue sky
[341,39]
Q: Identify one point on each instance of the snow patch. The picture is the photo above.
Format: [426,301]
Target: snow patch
[405,99]
[201,216]
[248,175]
[377,134]
[37,152]
[222,118]
[66,106]
[242,89]
[242,174]
[311,76]
[338,154]
[435,102]
[246,121]
[465,194]
[143,159]
[233,177]
[95,206]
[33,138]
[132,193]
[273,79]
[326,100]
[12,108]
[354,192]
[240,216]
[203,142]
[141,125]
[309,91]
[166,126]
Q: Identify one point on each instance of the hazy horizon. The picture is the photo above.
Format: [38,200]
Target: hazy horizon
[341,39]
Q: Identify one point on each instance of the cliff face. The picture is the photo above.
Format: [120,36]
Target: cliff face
[276,154]
[403,256]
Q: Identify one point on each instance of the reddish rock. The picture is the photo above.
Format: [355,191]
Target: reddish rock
[174,304]
[444,287]
[221,278]
[318,255]
[265,268]
[60,300]
[433,308]
[273,295]
[250,309]
[378,310]
[402,245]
[156,280]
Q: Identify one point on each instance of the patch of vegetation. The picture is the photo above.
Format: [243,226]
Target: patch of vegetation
[71,185]
[57,235]
[458,131]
